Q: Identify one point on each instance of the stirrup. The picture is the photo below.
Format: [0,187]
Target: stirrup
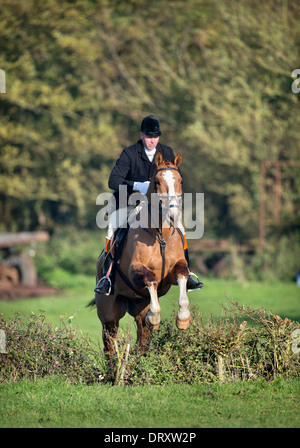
[97,287]
[198,280]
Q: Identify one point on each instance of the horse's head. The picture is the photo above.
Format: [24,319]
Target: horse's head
[167,184]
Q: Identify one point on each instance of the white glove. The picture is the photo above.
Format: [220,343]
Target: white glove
[142,187]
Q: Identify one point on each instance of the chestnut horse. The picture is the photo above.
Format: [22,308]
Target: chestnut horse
[152,260]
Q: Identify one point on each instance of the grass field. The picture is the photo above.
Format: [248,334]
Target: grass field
[54,402]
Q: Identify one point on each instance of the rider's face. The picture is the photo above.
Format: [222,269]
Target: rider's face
[149,142]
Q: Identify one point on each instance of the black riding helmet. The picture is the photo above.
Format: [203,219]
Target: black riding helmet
[150,126]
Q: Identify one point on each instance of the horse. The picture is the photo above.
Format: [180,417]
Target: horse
[151,261]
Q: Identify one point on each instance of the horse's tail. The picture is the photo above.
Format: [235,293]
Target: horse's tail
[92,302]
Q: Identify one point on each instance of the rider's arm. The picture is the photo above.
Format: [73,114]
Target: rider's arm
[120,172]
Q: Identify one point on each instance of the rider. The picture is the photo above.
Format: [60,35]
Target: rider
[134,169]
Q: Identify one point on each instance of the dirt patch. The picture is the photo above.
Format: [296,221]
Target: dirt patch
[16,292]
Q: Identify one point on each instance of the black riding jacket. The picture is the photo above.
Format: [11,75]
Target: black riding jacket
[133,165]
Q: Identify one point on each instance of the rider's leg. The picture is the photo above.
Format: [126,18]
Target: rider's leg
[117,220]
[191,284]
[104,284]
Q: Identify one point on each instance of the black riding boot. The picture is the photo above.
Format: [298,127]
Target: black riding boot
[191,284]
[104,284]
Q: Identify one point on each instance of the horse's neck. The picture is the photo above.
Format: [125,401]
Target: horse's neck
[155,221]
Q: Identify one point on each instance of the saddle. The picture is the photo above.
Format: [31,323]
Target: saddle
[118,241]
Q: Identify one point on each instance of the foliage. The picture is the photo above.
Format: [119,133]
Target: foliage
[34,349]
[278,260]
[81,76]
[226,350]
[69,251]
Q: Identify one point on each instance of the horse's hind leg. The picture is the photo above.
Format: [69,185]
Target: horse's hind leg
[110,310]
[143,333]
[138,308]
[109,335]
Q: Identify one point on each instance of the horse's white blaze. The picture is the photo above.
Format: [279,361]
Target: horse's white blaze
[183,312]
[170,181]
[174,212]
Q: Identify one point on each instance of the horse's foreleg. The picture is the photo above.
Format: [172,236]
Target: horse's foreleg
[153,316]
[183,316]
[142,277]
[180,274]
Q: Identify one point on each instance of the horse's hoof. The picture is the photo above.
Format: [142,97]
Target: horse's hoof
[183,324]
[152,326]
[152,321]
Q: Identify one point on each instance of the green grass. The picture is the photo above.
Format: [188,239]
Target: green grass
[53,402]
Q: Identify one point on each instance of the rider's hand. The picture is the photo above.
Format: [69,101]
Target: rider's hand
[142,187]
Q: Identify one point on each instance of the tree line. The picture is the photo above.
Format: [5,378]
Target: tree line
[81,75]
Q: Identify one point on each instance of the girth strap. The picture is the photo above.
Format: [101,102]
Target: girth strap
[131,286]
[128,282]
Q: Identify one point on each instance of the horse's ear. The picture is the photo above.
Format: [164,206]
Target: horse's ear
[158,159]
[178,160]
